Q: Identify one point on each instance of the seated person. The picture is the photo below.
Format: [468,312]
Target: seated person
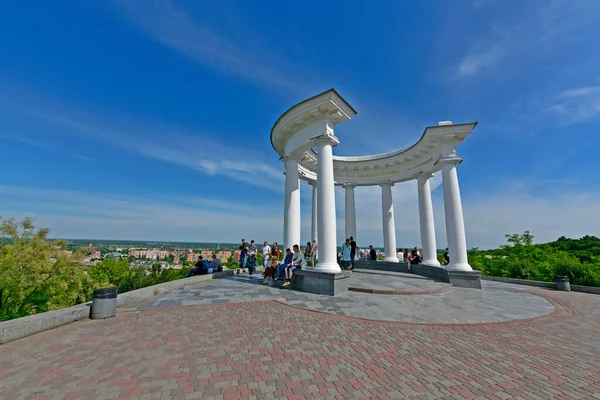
[216,264]
[372,253]
[271,266]
[400,256]
[200,268]
[286,262]
[297,262]
[416,258]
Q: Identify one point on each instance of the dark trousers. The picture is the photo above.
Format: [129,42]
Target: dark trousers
[352,255]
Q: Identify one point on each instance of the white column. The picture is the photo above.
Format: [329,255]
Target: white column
[455,225]
[389,227]
[426,220]
[291,217]
[314,217]
[326,207]
[350,226]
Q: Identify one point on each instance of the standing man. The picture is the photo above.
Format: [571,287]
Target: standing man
[313,253]
[244,250]
[251,258]
[352,251]
[297,262]
[266,254]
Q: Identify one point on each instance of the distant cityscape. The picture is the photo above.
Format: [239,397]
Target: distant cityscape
[142,254]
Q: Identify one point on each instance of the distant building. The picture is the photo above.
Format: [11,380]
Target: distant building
[115,255]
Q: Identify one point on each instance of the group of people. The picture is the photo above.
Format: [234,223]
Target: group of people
[348,253]
[203,267]
[414,256]
[409,256]
[274,268]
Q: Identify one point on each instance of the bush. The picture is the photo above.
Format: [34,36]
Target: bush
[37,274]
[525,260]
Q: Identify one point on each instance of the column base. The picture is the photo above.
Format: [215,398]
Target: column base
[331,268]
[392,259]
[431,263]
[459,267]
[465,279]
[329,284]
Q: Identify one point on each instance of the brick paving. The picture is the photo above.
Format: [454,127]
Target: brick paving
[496,302]
[269,350]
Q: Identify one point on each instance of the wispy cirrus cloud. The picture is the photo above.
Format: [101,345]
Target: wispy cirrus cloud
[522,36]
[7,135]
[584,91]
[577,105]
[166,23]
[191,149]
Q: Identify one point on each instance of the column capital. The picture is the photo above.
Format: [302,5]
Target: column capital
[387,183]
[450,160]
[326,137]
[348,185]
[312,183]
[425,176]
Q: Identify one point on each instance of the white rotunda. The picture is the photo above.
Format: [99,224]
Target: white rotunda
[304,137]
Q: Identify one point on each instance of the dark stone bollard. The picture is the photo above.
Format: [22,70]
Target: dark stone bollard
[105,303]
[562,283]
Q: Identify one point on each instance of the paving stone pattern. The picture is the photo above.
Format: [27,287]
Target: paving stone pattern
[269,350]
[498,302]
[389,280]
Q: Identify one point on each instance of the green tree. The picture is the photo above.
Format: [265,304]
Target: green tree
[156,268]
[36,274]
[110,272]
[526,239]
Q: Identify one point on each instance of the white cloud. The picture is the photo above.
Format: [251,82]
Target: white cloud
[22,138]
[584,91]
[192,149]
[174,27]
[519,37]
[577,105]
[478,62]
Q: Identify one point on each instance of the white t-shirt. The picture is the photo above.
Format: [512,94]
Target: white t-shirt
[400,256]
[265,251]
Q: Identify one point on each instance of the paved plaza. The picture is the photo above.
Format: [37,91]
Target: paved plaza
[498,302]
[235,338]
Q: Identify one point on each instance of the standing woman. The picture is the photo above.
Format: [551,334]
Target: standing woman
[307,252]
[406,260]
[346,249]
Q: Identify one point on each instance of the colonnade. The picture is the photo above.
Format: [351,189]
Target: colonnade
[324,217]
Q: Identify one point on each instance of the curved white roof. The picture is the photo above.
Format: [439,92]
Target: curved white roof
[400,165]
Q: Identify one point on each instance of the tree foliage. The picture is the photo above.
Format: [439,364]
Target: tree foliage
[579,259]
[36,274]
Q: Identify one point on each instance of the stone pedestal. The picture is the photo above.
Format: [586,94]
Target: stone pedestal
[316,282]
[465,279]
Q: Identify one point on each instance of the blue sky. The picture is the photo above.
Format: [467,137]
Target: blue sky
[150,120]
